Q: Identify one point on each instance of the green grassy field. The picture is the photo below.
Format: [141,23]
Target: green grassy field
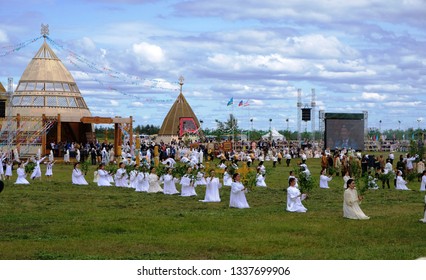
[56,220]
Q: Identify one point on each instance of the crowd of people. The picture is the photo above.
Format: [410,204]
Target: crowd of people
[333,164]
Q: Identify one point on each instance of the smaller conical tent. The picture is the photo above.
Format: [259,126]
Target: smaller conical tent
[180,119]
[275,135]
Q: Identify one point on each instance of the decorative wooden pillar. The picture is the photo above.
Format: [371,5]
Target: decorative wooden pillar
[43,135]
[59,130]
[116,142]
[18,133]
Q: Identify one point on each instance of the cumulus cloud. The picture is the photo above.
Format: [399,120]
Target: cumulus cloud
[3,37]
[149,52]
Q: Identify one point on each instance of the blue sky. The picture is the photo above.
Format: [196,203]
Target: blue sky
[369,55]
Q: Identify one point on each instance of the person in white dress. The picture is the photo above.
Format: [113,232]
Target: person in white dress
[67,157]
[49,169]
[423,182]
[133,179]
[260,179]
[324,179]
[77,176]
[424,218]
[154,182]
[212,188]
[188,184]
[227,179]
[401,184]
[345,179]
[201,181]
[8,172]
[37,171]
[294,198]
[2,158]
[143,181]
[103,176]
[121,176]
[169,182]
[237,198]
[51,156]
[291,175]
[78,156]
[21,180]
[351,202]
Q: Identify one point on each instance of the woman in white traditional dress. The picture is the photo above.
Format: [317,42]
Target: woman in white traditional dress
[133,178]
[51,156]
[169,182]
[294,198]
[78,156]
[237,197]
[212,188]
[2,157]
[154,182]
[423,182]
[49,169]
[324,179]
[188,184]
[103,176]
[201,181]
[37,171]
[351,202]
[401,184]
[424,218]
[8,172]
[260,179]
[67,157]
[143,181]
[121,176]
[78,176]
[21,174]
[345,179]
[227,179]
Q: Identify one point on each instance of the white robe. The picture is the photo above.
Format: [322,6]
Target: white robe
[37,171]
[188,187]
[237,197]
[227,179]
[424,218]
[133,179]
[143,182]
[8,171]
[121,178]
[154,184]
[103,178]
[423,184]
[212,190]
[78,177]
[294,201]
[49,169]
[351,209]
[170,184]
[324,181]
[21,176]
[401,184]
[260,180]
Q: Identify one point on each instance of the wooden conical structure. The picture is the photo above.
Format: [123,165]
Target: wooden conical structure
[179,111]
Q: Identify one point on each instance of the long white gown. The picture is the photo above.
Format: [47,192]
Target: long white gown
[78,177]
[49,169]
[401,184]
[351,209]
[120,178]
[37,171]
[260,180]
[103,178]
[170,184]
[324,181]
[294,201]
[212,190]
[133,179]
[423,184]
[227,179]
[237,198]
[21,176]
[143,182]
[188,187]
[424,218]
[154,183]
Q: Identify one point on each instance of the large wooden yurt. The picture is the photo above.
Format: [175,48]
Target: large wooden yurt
[46,107]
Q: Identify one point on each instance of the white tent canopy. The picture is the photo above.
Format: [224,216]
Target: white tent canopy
[275,135]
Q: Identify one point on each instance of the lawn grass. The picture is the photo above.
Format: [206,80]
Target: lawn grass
[56,220]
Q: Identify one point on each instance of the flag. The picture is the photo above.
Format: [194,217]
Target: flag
[246,104]
[241,103]
[231,101]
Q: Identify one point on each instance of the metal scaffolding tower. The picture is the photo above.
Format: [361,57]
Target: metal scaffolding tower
[313,105]
[299,114]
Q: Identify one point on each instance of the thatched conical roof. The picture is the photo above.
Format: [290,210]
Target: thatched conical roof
[2,89]
[47,87]
[180,109]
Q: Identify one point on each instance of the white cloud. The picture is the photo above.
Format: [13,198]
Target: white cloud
[149,52]
[114,103]
[3,37]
